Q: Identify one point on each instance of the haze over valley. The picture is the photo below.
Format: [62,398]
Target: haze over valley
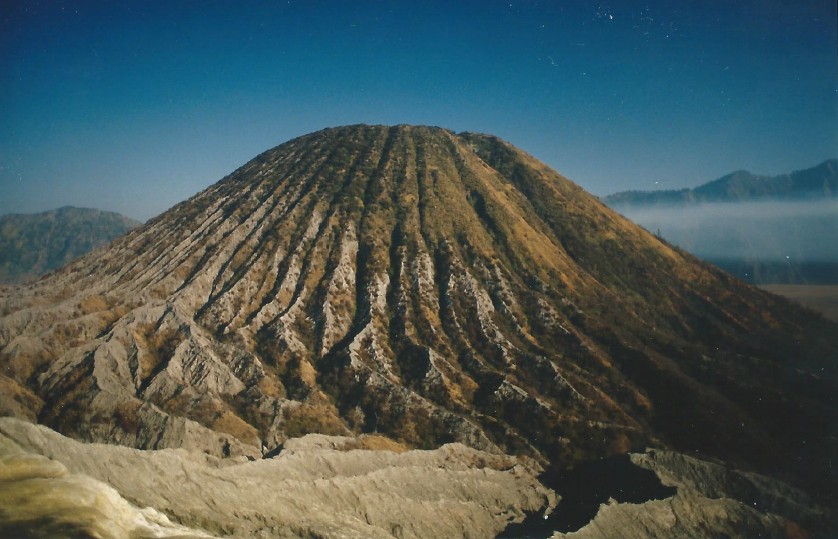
[764,230]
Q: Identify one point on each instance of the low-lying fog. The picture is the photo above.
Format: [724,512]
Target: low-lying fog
[800,231]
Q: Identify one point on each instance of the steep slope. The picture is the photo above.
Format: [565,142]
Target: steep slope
[34,244]
[425,285]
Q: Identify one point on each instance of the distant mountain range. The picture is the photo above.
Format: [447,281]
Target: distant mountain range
[812,183]
[34,244]
[763,229]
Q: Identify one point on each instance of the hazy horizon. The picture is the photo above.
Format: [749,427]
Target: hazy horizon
[770,230]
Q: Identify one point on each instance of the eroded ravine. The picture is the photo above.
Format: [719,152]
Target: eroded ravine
[428,286]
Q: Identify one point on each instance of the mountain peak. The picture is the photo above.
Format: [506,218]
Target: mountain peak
[425,285]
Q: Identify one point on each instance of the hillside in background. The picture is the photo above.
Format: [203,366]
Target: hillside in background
[34,244]
[417,287]
[813,183]
[764,230]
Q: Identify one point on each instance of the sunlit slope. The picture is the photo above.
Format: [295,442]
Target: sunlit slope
[424,285]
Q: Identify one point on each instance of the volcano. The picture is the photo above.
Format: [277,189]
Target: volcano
[426,287]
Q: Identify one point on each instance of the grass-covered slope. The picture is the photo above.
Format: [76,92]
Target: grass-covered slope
[428,286]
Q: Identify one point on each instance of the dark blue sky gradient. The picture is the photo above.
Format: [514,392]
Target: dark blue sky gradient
[134,106]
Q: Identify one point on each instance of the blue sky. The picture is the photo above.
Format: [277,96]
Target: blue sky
[135,106]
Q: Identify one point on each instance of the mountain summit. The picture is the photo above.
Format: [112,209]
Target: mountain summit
[427,286]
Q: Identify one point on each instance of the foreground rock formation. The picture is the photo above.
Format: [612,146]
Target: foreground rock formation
[328,486]
[428,286]
[711,500]
[317,486]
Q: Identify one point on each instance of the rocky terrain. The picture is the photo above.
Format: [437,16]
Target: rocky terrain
[318,486]
[331,486]
[430,288]
[34,244]
[711,500]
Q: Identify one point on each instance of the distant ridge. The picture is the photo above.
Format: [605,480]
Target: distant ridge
[762,229]
[820,181]
[34,244]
